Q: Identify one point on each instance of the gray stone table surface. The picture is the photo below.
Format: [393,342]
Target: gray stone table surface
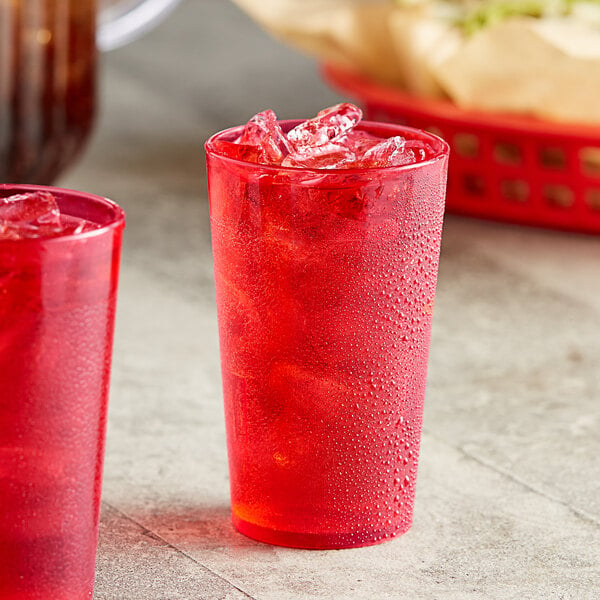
[508,495]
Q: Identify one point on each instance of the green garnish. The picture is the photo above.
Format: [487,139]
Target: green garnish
[474,15]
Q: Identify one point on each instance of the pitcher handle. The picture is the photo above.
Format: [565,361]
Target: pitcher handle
[121,22]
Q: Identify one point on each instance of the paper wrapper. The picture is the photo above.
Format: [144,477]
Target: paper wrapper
[351,33]
[549,68]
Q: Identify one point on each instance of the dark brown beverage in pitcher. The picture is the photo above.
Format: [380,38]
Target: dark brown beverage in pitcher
[47,85]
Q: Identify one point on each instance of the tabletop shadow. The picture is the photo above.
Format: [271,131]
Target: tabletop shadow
[189,528]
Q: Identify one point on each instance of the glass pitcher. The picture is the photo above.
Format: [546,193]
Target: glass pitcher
[48,57]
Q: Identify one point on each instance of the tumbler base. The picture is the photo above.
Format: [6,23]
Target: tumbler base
[317,541]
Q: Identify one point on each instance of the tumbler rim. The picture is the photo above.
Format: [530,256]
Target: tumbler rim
[440,146]
[114,218]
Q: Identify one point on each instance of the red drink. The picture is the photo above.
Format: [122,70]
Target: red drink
[57,304]
[325,283]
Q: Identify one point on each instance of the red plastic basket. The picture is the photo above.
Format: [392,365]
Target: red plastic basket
[507,168]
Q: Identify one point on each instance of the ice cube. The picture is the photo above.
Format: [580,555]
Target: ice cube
[264,132]
[34,214]
[325,156]
[328,125]
[394,152]
[74,225]
[359,141]
[237,151]
[33,207]
[420,150]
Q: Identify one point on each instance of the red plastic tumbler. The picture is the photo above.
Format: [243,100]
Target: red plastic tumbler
[57,309]
[325,282]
